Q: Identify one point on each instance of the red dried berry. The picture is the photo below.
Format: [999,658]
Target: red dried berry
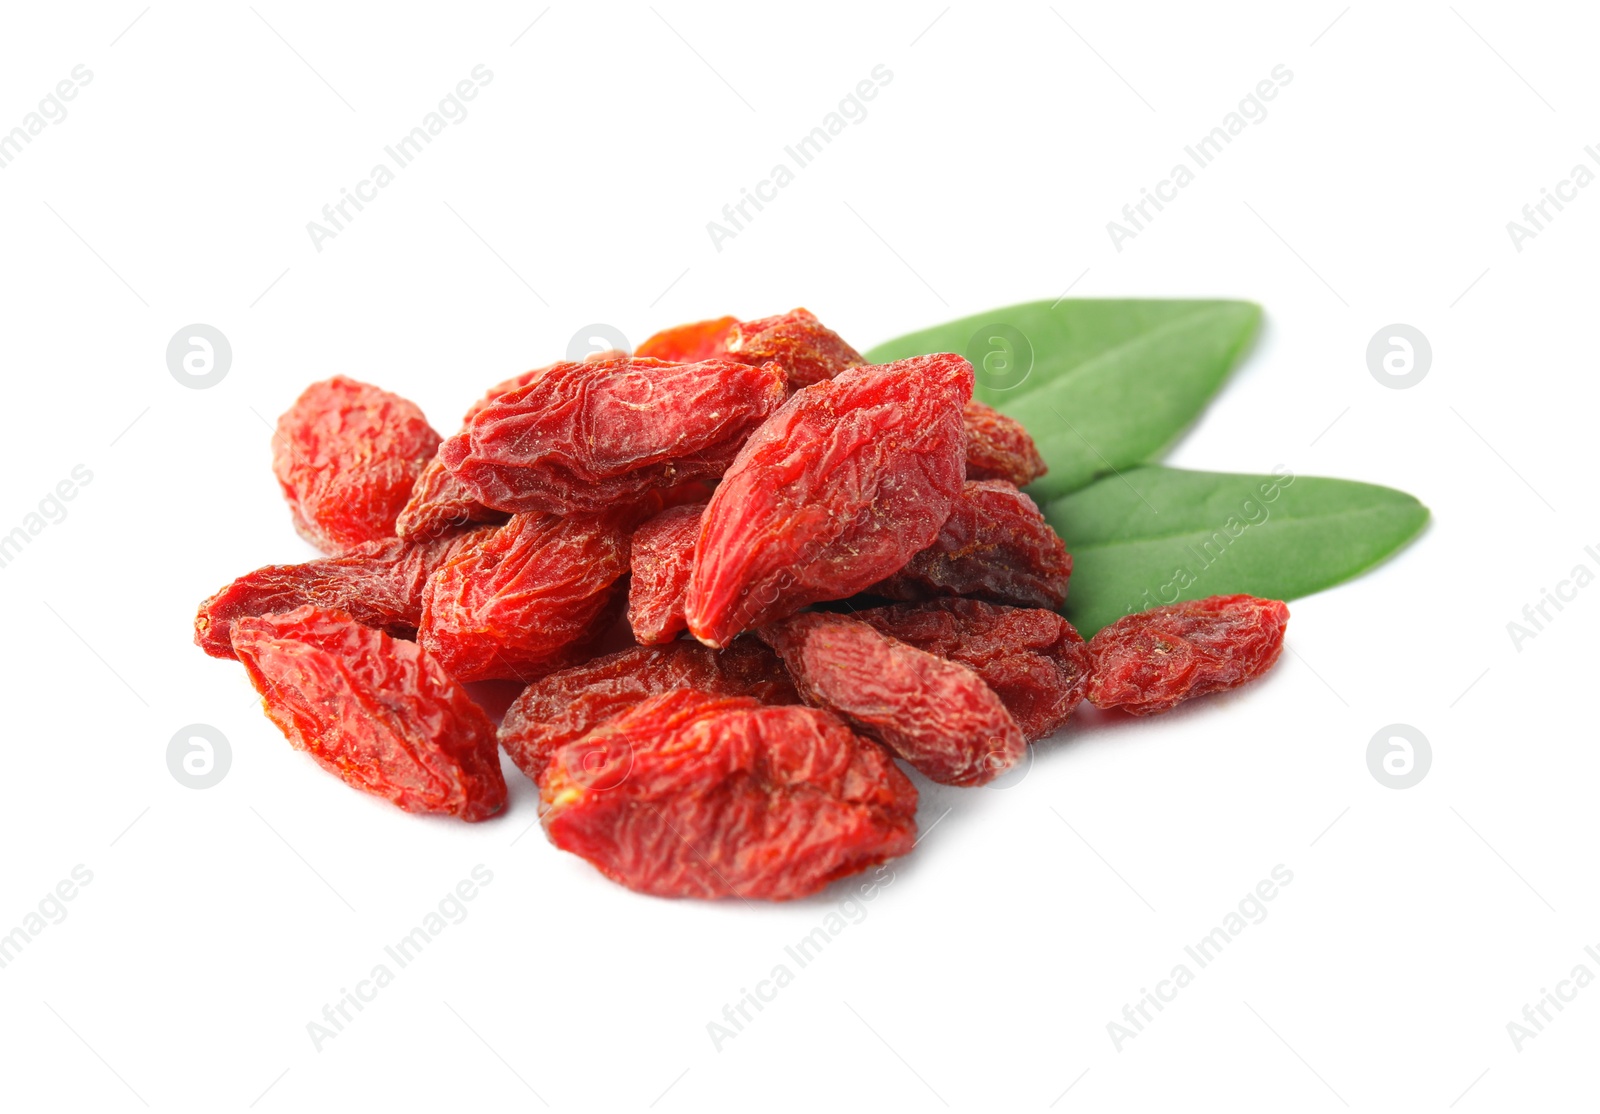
[689,344]
[995,546]
[806,349]
[937,714]
[347,456]
[663,554]
[691,794]
[1156,659]
[1034,660]
[589,436]
[379,712]
[505,387]
[568,704]
[999,448]
[832,494]
[522,601]
[440,502]
[379,584]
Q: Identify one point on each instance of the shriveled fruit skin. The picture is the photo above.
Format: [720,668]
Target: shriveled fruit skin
[379,583]
[347,456]
[806,349]
[1034,660]
[566,705]
[836,491]
[995,546]
[523,600]
[663,554]
[523,378]
[584,437]
[440,502]
[937,714]
[438,499]
[504,387]
[1151,661]
[689,344]
[691,794]
[999,448]
[379,712]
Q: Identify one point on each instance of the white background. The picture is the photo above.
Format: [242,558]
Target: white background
[577,190]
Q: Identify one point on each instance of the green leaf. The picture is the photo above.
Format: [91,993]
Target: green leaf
[1100,384]
[1157,535]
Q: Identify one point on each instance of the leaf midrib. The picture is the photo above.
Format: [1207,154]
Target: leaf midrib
[1129,343]
[1199,532]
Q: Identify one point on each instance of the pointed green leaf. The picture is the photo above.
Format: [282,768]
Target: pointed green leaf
[1154,535]
[1101,384]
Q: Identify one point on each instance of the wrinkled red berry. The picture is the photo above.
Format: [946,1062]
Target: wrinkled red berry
[663,554]
[440,502]
[806,349]
[588,436]
[378,712]
[526,598]
[440,499]
[696,795]
[835,492]
[937,714]
[995,546]
[569,703]
[999,448]
[523,378]
[689,344]
[379,584]
[347,456]
[1156,659]
[1033,659]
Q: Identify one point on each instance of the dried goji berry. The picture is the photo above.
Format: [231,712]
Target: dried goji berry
[995,546]
[568,704]
[833,493]
[806,349]
[523,378]
[1033,659]
[347,456]
[505,387]
[377,711]
[1156,659]
[588,436]
[439,501]
[689,344]
[691,794]
[379,584]
[999,448]
[662,555]
[937,714]
[522,601]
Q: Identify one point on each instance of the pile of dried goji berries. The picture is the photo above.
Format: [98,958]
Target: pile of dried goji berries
[825,566]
